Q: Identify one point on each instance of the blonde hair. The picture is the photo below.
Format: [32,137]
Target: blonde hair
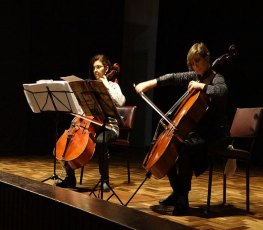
[196,51]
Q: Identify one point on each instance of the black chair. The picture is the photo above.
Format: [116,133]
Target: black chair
[127,114]
[243,132]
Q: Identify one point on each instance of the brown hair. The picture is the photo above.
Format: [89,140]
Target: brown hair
[196,51]
[104,60]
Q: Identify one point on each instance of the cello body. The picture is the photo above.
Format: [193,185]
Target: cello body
[164,152]
[77,144]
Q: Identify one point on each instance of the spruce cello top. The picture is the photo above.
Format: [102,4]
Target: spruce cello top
[77,144]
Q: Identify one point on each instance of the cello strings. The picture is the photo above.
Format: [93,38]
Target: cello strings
[108,126]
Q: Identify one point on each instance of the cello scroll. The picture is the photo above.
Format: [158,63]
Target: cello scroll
[232,52]
[115,71]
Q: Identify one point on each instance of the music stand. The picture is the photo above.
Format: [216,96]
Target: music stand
[95,100]
[51,96]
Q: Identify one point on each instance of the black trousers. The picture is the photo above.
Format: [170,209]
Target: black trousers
[193,159]
[102,151]
[180,175]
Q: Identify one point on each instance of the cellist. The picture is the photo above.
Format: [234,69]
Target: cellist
[99,69]
[211,132]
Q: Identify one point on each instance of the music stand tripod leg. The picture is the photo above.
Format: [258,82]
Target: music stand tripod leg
[114,194]
[94,189]
[54,176]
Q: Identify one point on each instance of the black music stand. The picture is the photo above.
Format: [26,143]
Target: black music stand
[51,96]
[95,100]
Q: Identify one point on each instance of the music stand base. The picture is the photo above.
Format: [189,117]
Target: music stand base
[54,177]
[100,191]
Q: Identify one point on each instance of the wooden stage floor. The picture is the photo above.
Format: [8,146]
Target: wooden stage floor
[230,216]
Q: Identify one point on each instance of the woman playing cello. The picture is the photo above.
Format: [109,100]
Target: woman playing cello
[211,132]
[99,69]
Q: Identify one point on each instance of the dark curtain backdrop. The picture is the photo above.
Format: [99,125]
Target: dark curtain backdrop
[219,24]
[49,40]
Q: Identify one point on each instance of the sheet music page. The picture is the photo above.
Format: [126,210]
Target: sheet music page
[49,95]
[71,78]
[85,96]
[104,99]
[93,97]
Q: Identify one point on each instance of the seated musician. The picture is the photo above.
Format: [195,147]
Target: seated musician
[99,67]
[211,132]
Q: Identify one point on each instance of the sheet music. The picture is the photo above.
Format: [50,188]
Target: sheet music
[49,95]
[93,97]
[103,98]
[86,98]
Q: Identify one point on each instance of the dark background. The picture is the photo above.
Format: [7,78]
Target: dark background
[52,39]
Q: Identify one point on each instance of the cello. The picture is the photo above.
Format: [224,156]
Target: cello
[164,152]
[191,108]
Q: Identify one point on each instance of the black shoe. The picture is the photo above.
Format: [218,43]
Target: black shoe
[68,182]
[105,187]
[170,200]
[181,206]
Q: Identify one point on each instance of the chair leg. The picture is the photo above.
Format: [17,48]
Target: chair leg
[128,164]
[81,174]
[224,188]
[247,189]
[210,178]
[128,171]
